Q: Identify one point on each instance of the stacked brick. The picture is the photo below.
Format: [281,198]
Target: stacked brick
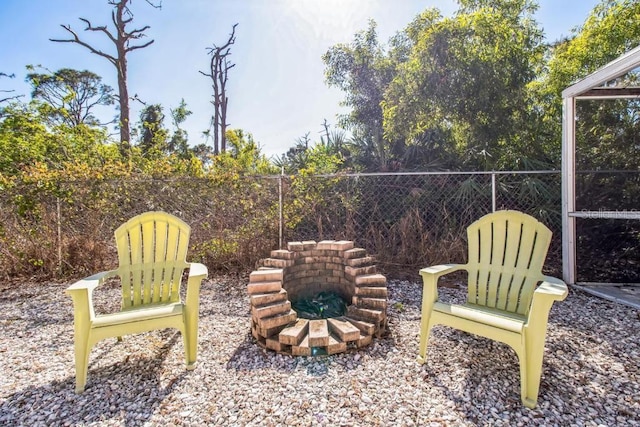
[306,269]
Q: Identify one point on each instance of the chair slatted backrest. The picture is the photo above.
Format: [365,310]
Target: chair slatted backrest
[152,250]
[507,250]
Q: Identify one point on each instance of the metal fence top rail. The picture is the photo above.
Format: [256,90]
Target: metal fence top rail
[351,175]
[609,171]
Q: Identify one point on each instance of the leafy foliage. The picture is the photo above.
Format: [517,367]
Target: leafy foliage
[464,85]
[363,71]
[70,95]
[243,156]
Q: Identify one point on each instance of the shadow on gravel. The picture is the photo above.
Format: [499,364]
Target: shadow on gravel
[128,392]
[589,369]
[250,356]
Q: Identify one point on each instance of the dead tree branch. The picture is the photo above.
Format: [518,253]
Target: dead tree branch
[219,73]
[122,39]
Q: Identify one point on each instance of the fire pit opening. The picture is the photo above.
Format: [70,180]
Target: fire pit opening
[325,305]
[317,298]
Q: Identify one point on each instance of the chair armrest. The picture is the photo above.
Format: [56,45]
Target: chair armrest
[441,270]
[196,270]
[430,276]
[81,293]
[550,290]
[197,273]
[553,287]
[91,282]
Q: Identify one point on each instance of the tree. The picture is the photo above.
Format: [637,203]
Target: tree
[296,157]
[23,138]
[179,142]
[122,39]
[71,94]
[204,153]
[156,140]
[219,73]
[153,135]
[243,157]
[26,141]
[363,71]
[466,82]
[336,139]
[333,148]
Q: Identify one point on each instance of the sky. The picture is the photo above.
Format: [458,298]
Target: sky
[276,89]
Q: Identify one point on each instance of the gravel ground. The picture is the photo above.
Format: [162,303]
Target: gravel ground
[591,369]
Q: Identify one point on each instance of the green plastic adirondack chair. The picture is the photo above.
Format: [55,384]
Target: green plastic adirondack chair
[508,298]
[152,249]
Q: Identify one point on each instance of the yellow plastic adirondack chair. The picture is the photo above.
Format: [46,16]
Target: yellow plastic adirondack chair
[508,297]
[152,249]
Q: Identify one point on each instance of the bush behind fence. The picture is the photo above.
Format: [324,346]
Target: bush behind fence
[407,221]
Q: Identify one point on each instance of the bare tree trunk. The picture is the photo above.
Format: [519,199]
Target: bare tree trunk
[121,16]
[223,124]
[215,69]
[218,72]
[224,101]
[123,90]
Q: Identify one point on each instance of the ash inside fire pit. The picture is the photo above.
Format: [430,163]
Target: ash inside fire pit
[324,305]
[317,298]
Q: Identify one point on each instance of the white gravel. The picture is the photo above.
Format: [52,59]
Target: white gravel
[590,378]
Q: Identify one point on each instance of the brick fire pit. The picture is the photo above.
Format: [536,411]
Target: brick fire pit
[306,269]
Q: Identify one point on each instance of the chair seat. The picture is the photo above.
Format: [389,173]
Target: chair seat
[138,314]
[480,314]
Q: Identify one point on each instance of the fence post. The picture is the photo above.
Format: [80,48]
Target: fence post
[493,192]
[59,233]
[281,214]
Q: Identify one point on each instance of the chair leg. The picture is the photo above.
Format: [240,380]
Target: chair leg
[531,371]
[82,351]
[425,330]
[429,297]
[190,339]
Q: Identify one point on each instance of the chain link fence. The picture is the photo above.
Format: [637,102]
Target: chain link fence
[413,220]
[407,221]
[66,230]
